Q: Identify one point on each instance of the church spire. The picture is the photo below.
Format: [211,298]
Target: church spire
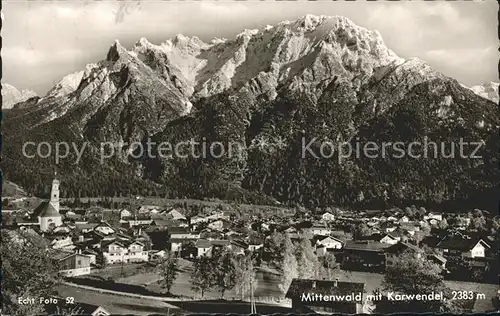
[54,193]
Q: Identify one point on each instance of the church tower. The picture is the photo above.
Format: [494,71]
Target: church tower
[54,193]
[49,217]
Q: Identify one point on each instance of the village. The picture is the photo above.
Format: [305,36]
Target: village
[119,246]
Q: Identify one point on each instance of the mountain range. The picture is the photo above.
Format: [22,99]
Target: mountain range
[318,76]
[11,95]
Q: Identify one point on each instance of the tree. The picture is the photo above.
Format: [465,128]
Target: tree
[307,261]
[275,248]
[27,271]
[443,224]
[410,276]
[478,223]
[330,264]
[168,270]
[100,260]
[289,267]
[245,275]
[224,270]
[202,276]
[360,231]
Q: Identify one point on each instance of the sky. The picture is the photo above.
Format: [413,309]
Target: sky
[43,41]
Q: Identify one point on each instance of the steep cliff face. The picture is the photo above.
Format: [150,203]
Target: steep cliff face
[318,76]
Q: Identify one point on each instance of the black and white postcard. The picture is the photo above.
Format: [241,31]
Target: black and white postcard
[249,157]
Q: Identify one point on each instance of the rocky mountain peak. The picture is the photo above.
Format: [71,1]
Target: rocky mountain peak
[11,95]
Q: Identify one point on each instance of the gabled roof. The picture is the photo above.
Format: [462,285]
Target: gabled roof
[401,247]
[300,286]
[460,242]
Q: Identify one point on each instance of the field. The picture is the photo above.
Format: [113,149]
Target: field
[116,304]
[268,284]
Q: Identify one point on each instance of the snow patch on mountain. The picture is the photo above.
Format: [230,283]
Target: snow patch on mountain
[66,85]
[11,95]
[487,90]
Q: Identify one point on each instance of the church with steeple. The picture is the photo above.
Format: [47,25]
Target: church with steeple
[48,211]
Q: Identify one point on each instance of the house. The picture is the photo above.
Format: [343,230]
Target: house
[327,243]
[63,229]
[203,246]
[104,228]
[125,213]
[404,219]
[364,254]
[123,251]
[389,239]
[61,241]
[91,254]
[254,245]
[394,251]
[388,227]
[392,219]
[328,217]
[71,264]
[86,227]
[344,297]
[177,243]
[156,255]
[147,209]
[438,259]
[175,215]
[464,245]
[216,225]
[138,220]
[198,219]
[182,233]
[318,229]
[433,215]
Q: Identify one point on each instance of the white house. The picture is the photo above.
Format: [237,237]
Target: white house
[404,219]
[330,242]
[319,230]
[203,246]
[479,250]
[125,213]
[121,251]
[388,239]
[104,228]
[216,225]
[436,216]
[198,219]
[176,215]
[328,217]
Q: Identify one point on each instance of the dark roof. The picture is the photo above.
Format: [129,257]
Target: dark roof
[220,242]
[300,286]
[365,246]
[401,247]
[178,230]
[459,242]
[48,210]
[438,257]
